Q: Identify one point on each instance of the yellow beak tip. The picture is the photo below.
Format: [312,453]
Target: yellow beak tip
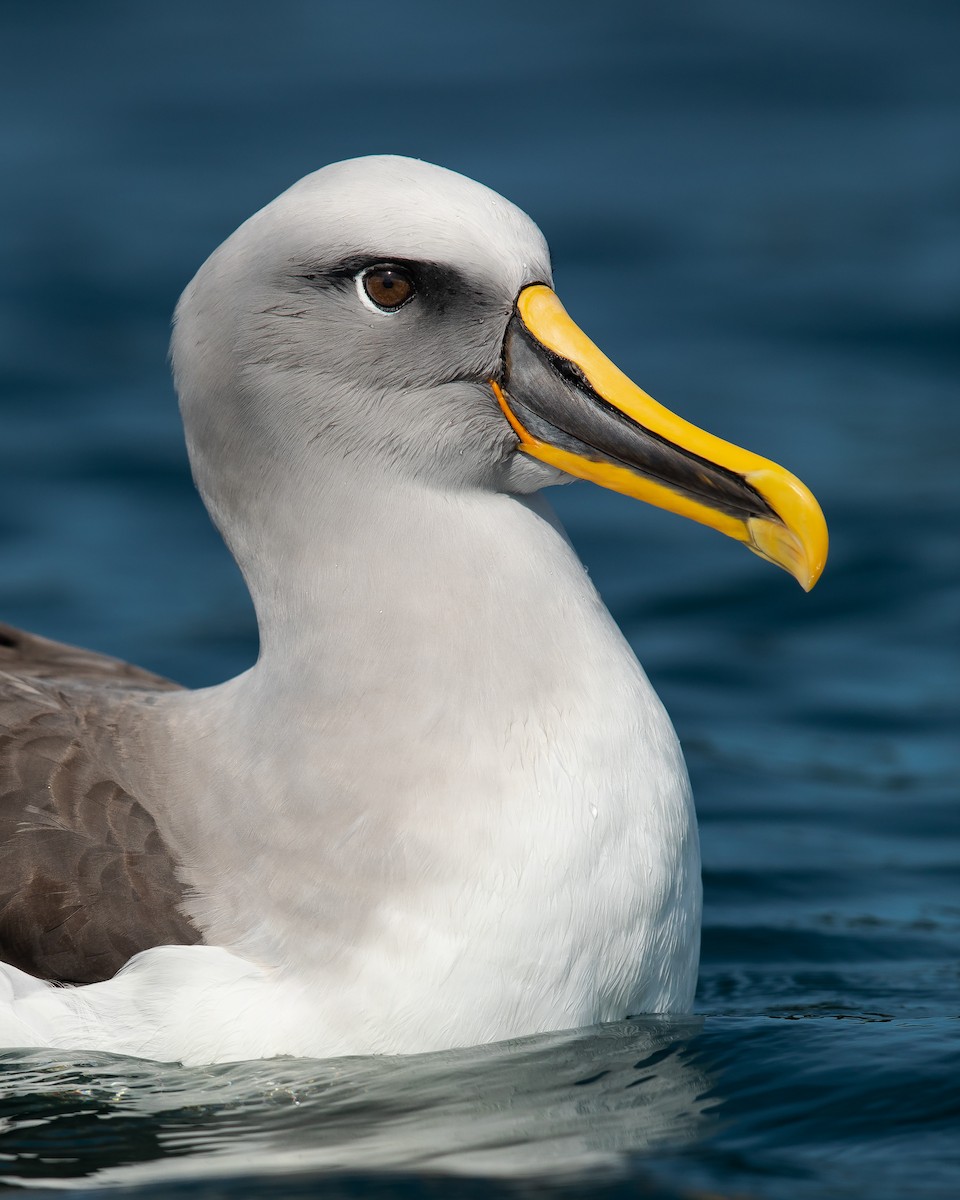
[800,547]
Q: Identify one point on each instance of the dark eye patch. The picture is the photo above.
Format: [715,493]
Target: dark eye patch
[429,278]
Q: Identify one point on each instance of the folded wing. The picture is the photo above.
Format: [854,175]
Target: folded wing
[85,878]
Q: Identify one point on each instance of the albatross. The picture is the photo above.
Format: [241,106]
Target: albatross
[445,806]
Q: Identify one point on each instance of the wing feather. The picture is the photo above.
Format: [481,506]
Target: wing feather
[85,878]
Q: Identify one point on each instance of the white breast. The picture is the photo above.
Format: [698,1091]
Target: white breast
[453,814]
[471,823]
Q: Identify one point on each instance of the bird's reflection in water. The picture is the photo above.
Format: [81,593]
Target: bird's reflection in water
[554,1104]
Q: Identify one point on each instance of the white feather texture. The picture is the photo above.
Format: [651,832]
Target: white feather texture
[445,807]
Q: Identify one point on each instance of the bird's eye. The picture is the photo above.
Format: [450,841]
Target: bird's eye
[388,287]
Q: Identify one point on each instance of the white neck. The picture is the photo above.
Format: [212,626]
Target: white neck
[450,586]
[443,714]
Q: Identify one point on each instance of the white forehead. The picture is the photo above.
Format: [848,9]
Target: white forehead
[393,207]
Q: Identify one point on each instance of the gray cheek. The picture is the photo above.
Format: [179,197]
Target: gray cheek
[524,475]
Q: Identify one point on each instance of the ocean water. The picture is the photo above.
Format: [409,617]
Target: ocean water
[754,208]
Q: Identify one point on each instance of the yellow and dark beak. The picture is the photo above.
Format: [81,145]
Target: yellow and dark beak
[572,408]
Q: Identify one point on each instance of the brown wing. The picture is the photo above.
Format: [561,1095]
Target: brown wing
[26,654]
[85,880]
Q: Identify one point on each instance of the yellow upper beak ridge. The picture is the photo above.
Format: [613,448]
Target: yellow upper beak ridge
[794,536]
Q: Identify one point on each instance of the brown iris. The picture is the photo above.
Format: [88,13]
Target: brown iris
[388,287]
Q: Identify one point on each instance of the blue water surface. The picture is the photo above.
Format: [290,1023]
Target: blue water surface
[754,207]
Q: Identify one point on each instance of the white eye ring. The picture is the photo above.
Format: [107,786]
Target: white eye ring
[365,299]
[360,280]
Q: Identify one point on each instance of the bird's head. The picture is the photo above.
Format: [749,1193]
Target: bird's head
[386,317]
